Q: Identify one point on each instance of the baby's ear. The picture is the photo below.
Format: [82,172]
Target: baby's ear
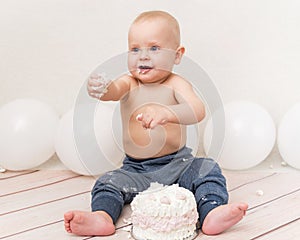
[179,53]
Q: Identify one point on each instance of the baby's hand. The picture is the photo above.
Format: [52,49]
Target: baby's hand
[97,85]
[152,115]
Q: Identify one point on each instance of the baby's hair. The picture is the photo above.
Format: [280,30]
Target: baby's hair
[152,15]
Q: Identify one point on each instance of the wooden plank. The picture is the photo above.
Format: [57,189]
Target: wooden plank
[272,188]
[46,194]
[33,180]
[119,235]
[11,174]
[239,179]
[55,230]
[28,220]
[290,230]
[48,232]
[272,215]
[41,215]
[276,207]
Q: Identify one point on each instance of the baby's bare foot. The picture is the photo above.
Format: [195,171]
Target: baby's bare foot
[223,217]
[89,223]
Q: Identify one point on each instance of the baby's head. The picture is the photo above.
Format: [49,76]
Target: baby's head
[154,42]
[159,20]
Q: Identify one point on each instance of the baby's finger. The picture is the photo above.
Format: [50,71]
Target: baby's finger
[96,88]
[147,121]
[145,125]
[153,124]
[91,89]
[96,95]
[93,82]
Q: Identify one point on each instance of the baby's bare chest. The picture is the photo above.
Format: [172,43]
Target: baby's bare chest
[142,95]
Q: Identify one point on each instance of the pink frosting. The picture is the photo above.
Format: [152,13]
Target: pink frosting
[165,200]
[180,196]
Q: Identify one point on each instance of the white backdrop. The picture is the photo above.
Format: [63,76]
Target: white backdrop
[250,48]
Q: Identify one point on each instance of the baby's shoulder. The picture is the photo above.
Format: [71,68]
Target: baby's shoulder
[176,81]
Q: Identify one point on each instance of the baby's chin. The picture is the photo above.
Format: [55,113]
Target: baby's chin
[157,80]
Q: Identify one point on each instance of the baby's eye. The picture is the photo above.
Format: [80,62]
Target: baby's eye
[135,50]
[154,48]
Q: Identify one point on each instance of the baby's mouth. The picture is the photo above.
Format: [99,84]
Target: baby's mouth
[143,69]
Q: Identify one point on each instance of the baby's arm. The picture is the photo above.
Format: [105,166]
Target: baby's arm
[190,108]
[100,87]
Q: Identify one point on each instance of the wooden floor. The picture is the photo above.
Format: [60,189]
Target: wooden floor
[32,204]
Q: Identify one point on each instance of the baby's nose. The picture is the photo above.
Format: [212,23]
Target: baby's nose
[144,54]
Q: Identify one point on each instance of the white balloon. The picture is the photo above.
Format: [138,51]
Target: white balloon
[92,156]
[27,128]
[250,135]
[288,139]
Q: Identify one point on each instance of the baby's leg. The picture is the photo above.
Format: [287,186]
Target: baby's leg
[107,203]
[204,178]
[223,217]
[89,223]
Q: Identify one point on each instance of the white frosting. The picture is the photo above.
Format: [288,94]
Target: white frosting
[164,212]
[102,88]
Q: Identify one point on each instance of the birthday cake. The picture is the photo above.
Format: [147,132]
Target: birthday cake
[164,212]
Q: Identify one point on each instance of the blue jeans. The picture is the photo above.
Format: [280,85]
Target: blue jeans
[202,176]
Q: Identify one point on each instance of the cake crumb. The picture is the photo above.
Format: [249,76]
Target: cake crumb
[283,163]
[259,192]
[139,116]
[271,166]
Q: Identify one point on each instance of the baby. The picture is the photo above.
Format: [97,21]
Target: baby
[156,106]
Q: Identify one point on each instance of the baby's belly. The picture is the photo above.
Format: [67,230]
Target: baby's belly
[142,143]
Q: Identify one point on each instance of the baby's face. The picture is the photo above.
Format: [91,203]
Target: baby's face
[152,51]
